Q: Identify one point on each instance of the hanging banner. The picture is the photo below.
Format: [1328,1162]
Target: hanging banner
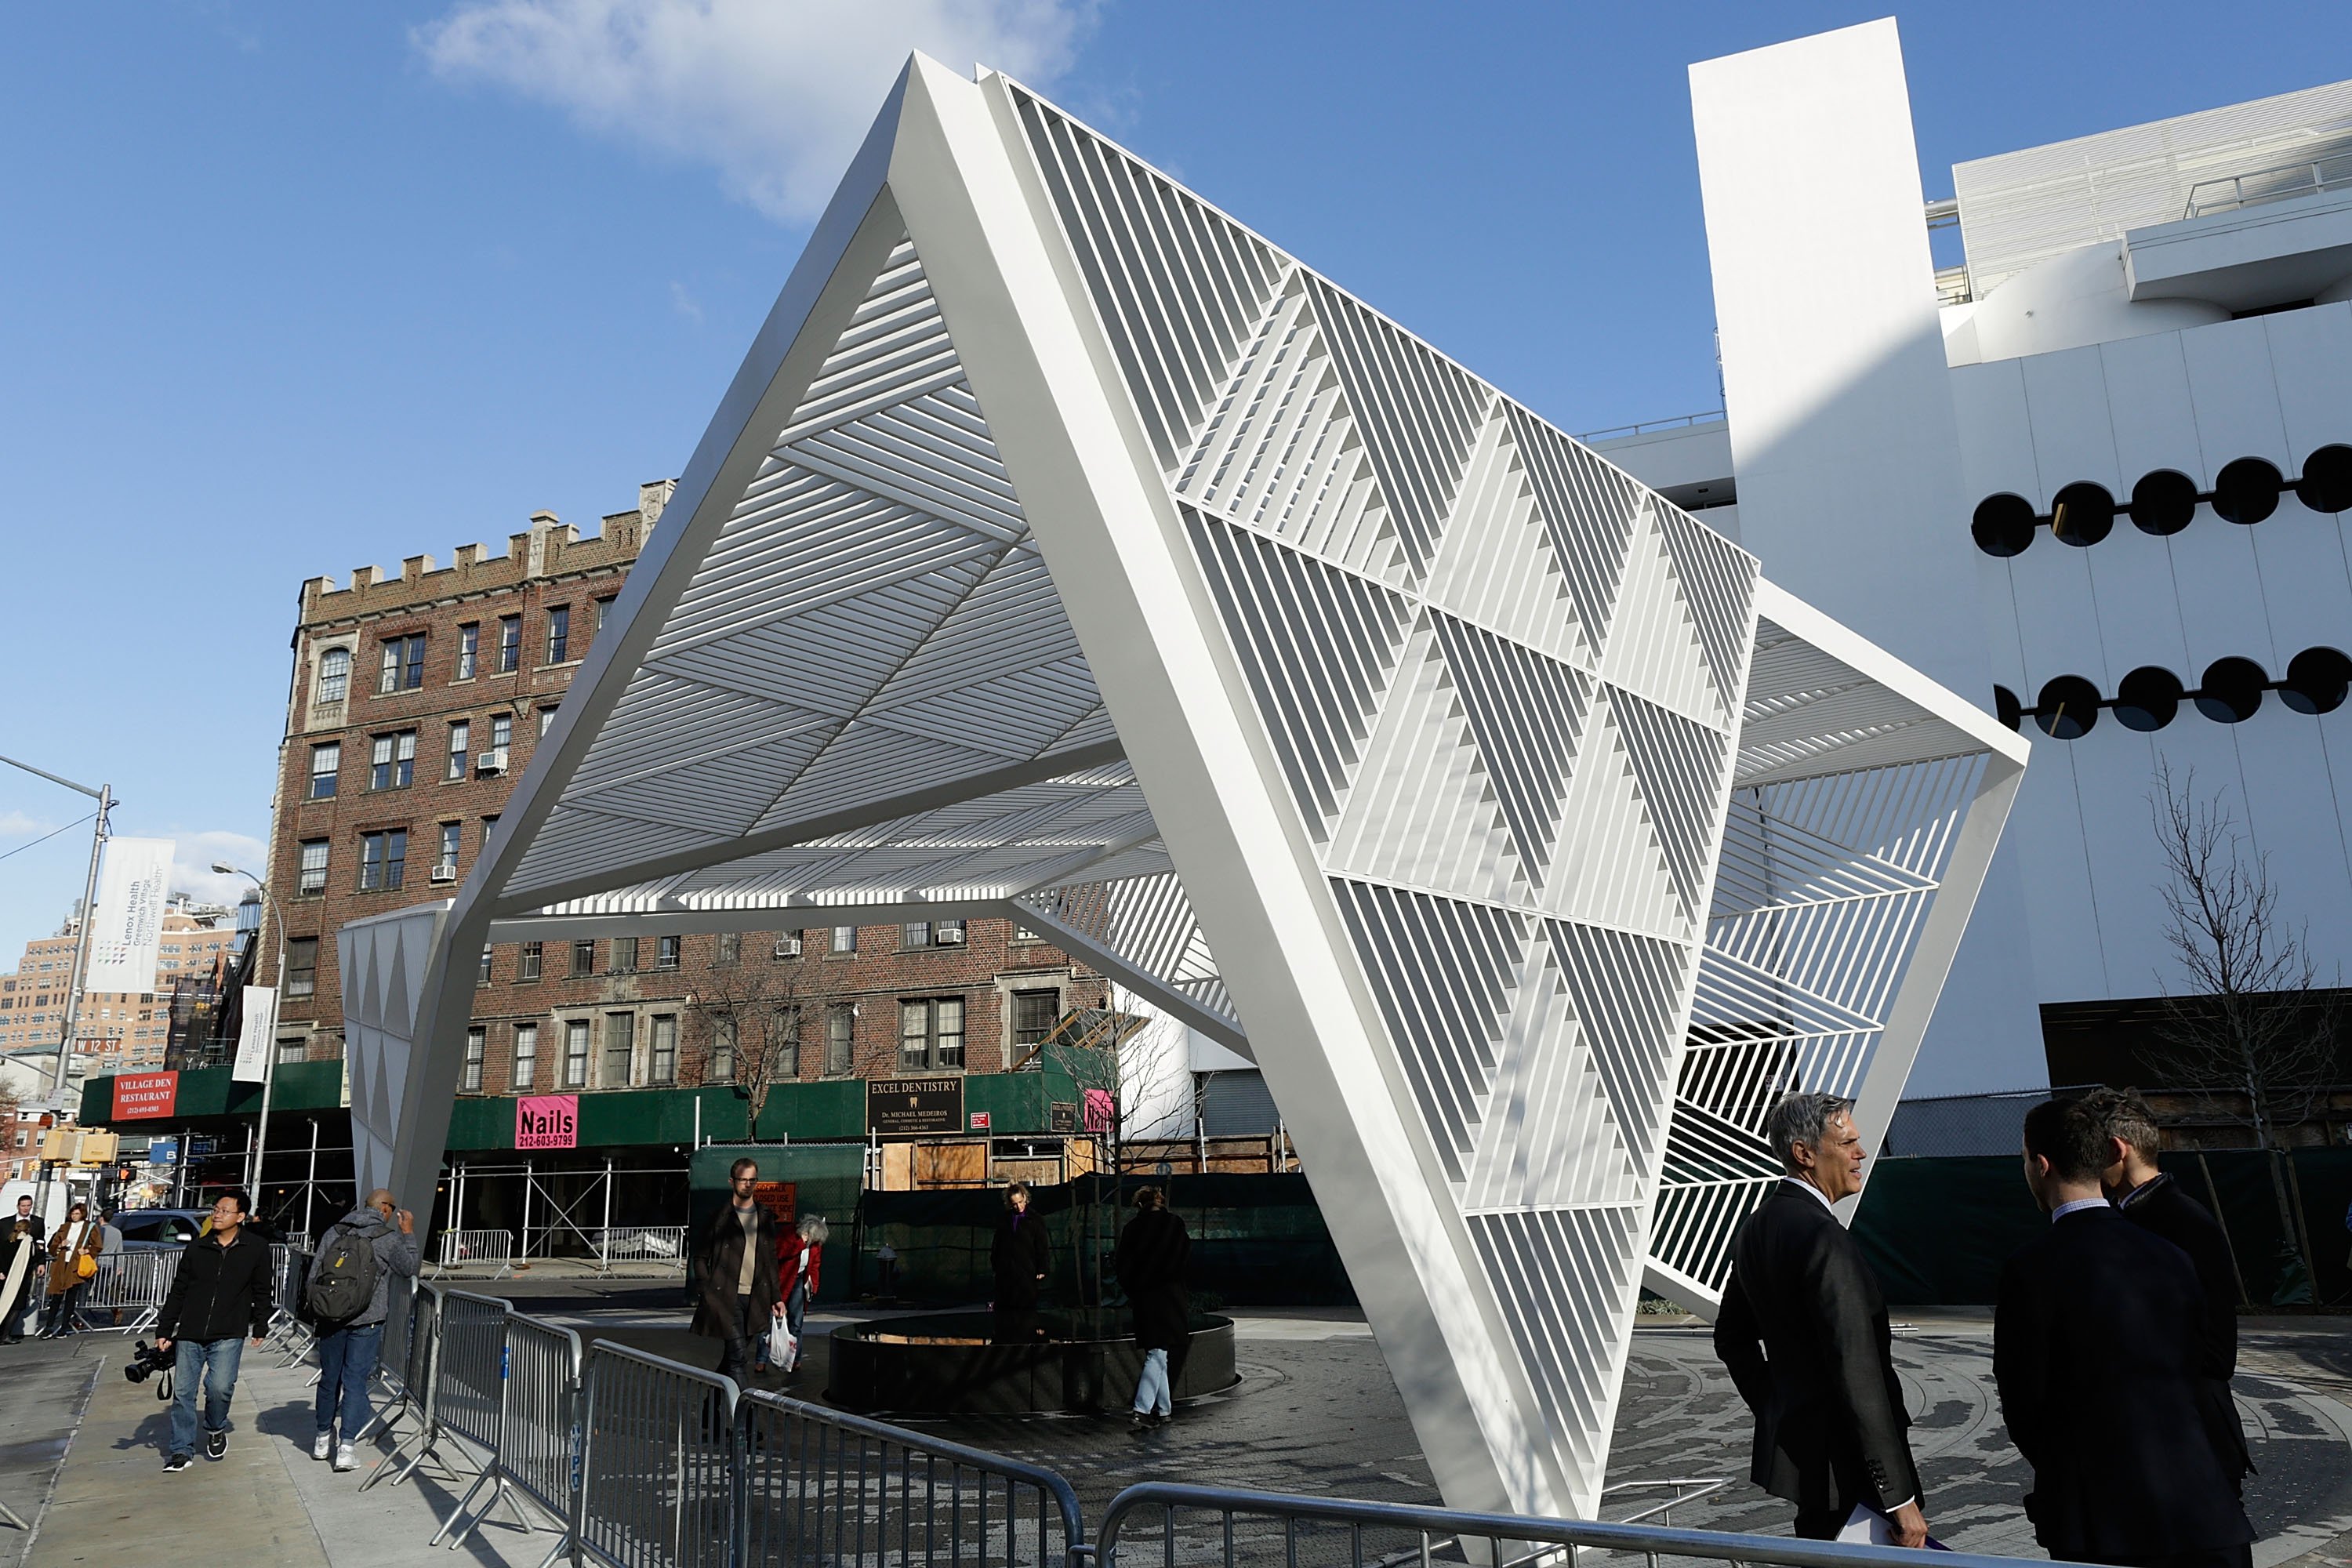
[256,1034]
[124,936]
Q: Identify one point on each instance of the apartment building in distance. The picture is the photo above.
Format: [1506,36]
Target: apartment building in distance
[415,702]
[120,1031]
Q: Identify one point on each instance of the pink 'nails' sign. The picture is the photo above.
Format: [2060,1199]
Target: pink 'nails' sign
[547,1122]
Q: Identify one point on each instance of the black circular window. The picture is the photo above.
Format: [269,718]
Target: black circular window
[2007,707]
[2163,502]
[2328,480]
[2069,707]
[2082,514]
[2247,490]
[2316,681]
[2003,525]
[2233,691]
[2147,698]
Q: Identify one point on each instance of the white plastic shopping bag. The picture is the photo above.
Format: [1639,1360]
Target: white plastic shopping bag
[1866,1526]
[779,1345]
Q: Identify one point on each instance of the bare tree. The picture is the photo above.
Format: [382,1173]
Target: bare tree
[2251,1026]
[752,1022]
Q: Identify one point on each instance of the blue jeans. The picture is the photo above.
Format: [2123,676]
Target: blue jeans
[1152,1388]
[214,1362]
[347,1360]
[796,1306]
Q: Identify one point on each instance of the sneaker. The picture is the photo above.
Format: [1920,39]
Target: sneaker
[323,1444]
[347,1458]
[176,1463]
[216,1445]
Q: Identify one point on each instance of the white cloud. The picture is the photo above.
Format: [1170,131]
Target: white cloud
[193,855]
[13,822]
[775,94]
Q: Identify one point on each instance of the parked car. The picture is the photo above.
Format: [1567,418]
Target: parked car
[159,1230]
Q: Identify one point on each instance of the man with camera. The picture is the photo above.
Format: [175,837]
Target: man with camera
[350,1294]
[220,1296]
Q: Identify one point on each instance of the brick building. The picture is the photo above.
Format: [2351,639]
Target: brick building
[119,1031]
[415,703]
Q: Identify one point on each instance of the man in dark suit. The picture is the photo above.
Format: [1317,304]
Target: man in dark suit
[2099,1344]
[2155,1202]
[1803,1331]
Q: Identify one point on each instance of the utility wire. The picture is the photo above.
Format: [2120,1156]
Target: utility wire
[45,837]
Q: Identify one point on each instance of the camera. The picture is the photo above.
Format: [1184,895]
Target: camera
[145,1362]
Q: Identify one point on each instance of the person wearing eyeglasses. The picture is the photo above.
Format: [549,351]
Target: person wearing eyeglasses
[220,1296]
[735,1259]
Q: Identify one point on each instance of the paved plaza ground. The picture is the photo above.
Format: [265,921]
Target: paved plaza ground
[1316,1412]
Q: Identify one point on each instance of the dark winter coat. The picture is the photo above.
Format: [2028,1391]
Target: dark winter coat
[394,1254]
[220,1291]
[718,1262]
[1018,1256]
[2161,1207]
[1152,1252]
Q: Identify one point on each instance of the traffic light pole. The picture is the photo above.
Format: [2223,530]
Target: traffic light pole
[104,795]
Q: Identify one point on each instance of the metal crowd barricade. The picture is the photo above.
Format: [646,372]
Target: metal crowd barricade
[1205,1526]
[129,1285]
[415,1393]
[539,1427]
[290,1268]
[460,1247]
[399,1324]
[661,1244]
[462,1401]
[821,1487]
[658,1478]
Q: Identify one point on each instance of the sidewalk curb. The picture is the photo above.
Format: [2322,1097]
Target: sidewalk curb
[81,1413]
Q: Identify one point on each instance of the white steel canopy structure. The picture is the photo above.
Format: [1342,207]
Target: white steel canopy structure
[1067,552]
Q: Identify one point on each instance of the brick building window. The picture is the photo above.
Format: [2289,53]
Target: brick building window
[526,1056]
[625,955]
[311,874]
[931,933]
[661,1049]
[547,719]
[575,1054]
[722,1066]
[665,952]
[620,1047]
[383,859]
[727,948]
[603,608]
[527,963]
[784,1057]
[510,643]
[445,864]
[393,763]
[584,958]
[326,766]
[461,735]
[403,664]
[931,1032]
[844,939]
[302,966]
[478,1045]
[840,1042]
[788,944]
[1034,1012]
[501,737]
[484,977]
[334,674]
[559,634]
[469,650]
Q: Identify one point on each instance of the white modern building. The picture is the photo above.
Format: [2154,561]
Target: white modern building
[2091,477]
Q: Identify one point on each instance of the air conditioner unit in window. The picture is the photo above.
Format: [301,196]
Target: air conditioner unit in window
[487,765]
[947,936]
[446,872]
[788,947]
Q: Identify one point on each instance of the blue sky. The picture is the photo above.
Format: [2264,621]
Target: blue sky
[288,290]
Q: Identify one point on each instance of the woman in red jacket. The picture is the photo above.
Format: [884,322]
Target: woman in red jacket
[800,1258]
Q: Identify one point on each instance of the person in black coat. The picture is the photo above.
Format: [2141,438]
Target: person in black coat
[2156,1202]
[1803,1331]
[1152,1252]
[22,1260]
[1018,1256]
[2099,1349]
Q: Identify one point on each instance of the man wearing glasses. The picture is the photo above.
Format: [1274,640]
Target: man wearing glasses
[220,1296]
[735,1263]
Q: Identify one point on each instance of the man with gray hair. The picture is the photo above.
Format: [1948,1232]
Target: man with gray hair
[1803,1331]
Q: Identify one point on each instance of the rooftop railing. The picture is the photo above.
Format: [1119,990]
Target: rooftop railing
[2272,185]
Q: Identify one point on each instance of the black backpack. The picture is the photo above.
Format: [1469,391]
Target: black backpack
[342,1276]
